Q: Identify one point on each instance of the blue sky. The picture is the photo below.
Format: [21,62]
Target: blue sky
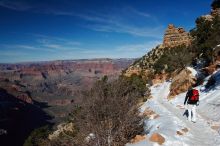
[41,30]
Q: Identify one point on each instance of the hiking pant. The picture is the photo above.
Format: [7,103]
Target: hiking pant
[191,112]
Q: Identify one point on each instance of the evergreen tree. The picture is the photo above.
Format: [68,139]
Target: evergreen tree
[216,4]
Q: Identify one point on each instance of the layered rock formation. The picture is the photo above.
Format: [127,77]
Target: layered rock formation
[175,36]
[57,82]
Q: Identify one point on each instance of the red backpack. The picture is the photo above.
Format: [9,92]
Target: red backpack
[195,95]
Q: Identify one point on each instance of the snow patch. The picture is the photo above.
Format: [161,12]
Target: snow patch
[172,119]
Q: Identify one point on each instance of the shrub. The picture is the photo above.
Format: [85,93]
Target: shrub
[174,59]
[110,112]
[38,137]
[216,4]
[206,36]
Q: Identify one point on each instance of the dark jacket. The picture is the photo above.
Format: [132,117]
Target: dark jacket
[188,95]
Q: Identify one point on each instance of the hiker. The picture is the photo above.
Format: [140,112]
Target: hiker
[192,100]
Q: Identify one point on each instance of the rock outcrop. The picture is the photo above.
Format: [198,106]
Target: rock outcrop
[56,82]
[62,128]
[181,83]
[175,36]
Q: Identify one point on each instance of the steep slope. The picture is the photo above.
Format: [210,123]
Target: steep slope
[171,121]
[18,118]
[165,58]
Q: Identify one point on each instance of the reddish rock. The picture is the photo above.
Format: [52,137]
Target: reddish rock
[156,137]
[24,97]
[175,36]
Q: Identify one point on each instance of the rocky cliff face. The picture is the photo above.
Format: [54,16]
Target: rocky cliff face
[175,36]
[181,82]
[45,69]
[57,82]
[18,117]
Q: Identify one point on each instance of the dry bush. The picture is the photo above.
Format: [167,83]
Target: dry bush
[109,111]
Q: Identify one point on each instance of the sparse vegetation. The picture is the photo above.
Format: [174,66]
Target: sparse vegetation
[206,36]
[174,59]
[109,111]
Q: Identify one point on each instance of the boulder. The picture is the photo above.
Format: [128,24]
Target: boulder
[156,137]
[181,82]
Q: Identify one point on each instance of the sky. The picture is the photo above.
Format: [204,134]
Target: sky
[42,30]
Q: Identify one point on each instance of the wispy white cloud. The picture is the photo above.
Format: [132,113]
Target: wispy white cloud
[57,43]
[15,5]
[138,47]
[123,51]
[111,23]
[46,39]
[19,46]
[138,12]
[154,32]
[44,43]
[98,21]
[10,53]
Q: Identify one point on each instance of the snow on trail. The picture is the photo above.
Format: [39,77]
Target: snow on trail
[172,120]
